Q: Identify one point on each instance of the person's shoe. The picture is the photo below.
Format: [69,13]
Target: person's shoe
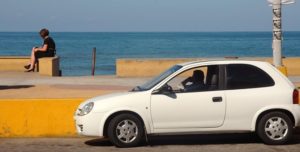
[27,66]
[30,70]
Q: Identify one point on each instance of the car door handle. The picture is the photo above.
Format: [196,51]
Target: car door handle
[217,99]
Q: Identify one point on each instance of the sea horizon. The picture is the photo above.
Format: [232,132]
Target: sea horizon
[77,46]
[145,31]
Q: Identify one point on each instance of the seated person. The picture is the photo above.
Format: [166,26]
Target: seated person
[47,50]
[194,83]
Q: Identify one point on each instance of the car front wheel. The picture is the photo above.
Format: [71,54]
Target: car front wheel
[126,130]
[275,128]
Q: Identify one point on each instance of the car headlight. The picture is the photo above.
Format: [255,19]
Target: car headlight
[87,108]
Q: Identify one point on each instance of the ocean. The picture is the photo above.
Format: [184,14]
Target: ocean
[75,48]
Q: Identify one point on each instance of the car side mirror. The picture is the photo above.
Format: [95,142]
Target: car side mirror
[166,90]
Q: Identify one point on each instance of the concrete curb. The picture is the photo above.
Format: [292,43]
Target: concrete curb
[38,117]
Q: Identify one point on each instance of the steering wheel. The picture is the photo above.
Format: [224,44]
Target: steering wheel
[168,87]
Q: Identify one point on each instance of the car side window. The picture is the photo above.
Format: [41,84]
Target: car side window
[244,76]
[204,78]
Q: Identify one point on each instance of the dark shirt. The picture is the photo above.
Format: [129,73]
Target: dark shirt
[195,87]
[51,44]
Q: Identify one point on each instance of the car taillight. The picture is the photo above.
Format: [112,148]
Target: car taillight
[296,97]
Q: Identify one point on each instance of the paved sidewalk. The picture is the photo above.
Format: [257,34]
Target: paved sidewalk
[32,85]
[20,78]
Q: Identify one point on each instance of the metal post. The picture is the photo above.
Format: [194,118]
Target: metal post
[93,61]
[277,33]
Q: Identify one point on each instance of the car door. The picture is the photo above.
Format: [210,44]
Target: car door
[174,106]
[248,88]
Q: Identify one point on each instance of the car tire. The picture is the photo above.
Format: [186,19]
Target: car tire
[126,130]
[275,128]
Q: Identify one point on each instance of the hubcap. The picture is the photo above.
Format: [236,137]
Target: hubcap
[127,131]
[276,128]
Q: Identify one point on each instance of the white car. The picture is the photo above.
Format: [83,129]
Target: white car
[229,96]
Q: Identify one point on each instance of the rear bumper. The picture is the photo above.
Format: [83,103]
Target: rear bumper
[296,113]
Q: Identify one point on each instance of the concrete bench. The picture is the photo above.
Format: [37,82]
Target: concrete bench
[48,66]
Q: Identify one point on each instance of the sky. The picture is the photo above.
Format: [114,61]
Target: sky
[143,15]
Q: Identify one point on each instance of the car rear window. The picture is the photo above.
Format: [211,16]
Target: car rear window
[244,76]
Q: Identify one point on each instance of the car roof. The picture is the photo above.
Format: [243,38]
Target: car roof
[221,61]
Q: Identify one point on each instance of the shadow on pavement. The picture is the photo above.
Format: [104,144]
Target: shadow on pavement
[6,87]
[98,142]
[212,139]
[204,139]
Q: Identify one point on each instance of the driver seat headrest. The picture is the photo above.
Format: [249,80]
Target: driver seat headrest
[198,76]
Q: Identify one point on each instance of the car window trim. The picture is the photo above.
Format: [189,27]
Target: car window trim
[222,75]
[219,79]
[226,73]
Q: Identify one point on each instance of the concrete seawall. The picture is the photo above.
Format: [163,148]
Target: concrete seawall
[152,67]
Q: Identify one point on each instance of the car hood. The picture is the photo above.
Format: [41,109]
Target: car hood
[115,100]
[108,97]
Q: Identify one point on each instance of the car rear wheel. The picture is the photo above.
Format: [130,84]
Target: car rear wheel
[275,128]
[126,130]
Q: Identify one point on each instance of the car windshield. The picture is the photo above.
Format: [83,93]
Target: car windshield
[148,85]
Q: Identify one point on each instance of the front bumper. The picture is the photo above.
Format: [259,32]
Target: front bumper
[89,125]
